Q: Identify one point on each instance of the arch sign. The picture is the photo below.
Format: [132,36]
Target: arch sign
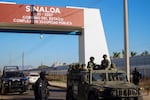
[25,15]
[58,20]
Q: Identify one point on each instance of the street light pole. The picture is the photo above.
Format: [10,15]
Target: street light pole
[23,61]
[126,42]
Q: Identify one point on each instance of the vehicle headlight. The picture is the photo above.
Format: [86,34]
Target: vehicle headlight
[141,88]
[5,82]
[101,89]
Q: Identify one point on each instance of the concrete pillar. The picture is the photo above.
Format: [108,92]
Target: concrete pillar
[92,41]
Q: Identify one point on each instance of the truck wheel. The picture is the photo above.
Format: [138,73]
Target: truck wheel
[3,91]
[21,92]
[138,98]
[92,97]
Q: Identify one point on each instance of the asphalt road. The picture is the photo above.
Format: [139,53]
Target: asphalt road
[55,94]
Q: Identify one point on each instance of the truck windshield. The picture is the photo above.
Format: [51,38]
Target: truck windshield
[117,77]
[13,74]
[99,76]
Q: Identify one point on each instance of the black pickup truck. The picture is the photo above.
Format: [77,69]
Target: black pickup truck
[13,80]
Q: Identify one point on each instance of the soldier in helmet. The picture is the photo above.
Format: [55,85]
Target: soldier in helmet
[104,62]
[136,76]
[40,87]
[91,64]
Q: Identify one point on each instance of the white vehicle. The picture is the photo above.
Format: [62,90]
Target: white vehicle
[33,76]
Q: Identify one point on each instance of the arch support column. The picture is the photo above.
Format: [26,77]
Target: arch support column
[92,41]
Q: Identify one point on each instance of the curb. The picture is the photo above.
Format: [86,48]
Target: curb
[58,84]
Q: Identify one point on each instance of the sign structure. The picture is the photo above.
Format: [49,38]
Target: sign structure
[41,15]
[23,18]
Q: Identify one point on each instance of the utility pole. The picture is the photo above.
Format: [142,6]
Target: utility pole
[23,61]
[10,57]
[126,43]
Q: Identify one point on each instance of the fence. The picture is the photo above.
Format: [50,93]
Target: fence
[60,75]
[57,75]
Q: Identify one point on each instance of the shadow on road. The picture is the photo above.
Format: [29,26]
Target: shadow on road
[30,99]
[55,94]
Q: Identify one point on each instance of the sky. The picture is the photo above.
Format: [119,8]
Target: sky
[64,48]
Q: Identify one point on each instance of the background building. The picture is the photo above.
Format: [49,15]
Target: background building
[142,63]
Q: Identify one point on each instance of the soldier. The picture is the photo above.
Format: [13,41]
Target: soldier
[104,62]
[136,77]
[41,87]
[83,67]
[91,63]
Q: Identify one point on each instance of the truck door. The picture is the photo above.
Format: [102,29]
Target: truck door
[83,87]
[83,91]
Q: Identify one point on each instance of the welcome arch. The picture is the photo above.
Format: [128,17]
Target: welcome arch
[85,22]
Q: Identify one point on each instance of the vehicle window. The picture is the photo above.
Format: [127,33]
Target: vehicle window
[117,77]
[14,74]
[34,75]
[99,77]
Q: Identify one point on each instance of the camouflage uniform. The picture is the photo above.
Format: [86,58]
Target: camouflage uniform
[91,64]
[104,62]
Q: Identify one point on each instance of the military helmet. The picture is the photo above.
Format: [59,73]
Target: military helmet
[91,58]
[42,73]
[104,56]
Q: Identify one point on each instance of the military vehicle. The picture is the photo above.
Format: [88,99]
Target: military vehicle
[13,80]
[99,85]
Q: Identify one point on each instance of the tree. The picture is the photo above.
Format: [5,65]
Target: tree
[144,53]
[116,54]
[133,53]
[123,53]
